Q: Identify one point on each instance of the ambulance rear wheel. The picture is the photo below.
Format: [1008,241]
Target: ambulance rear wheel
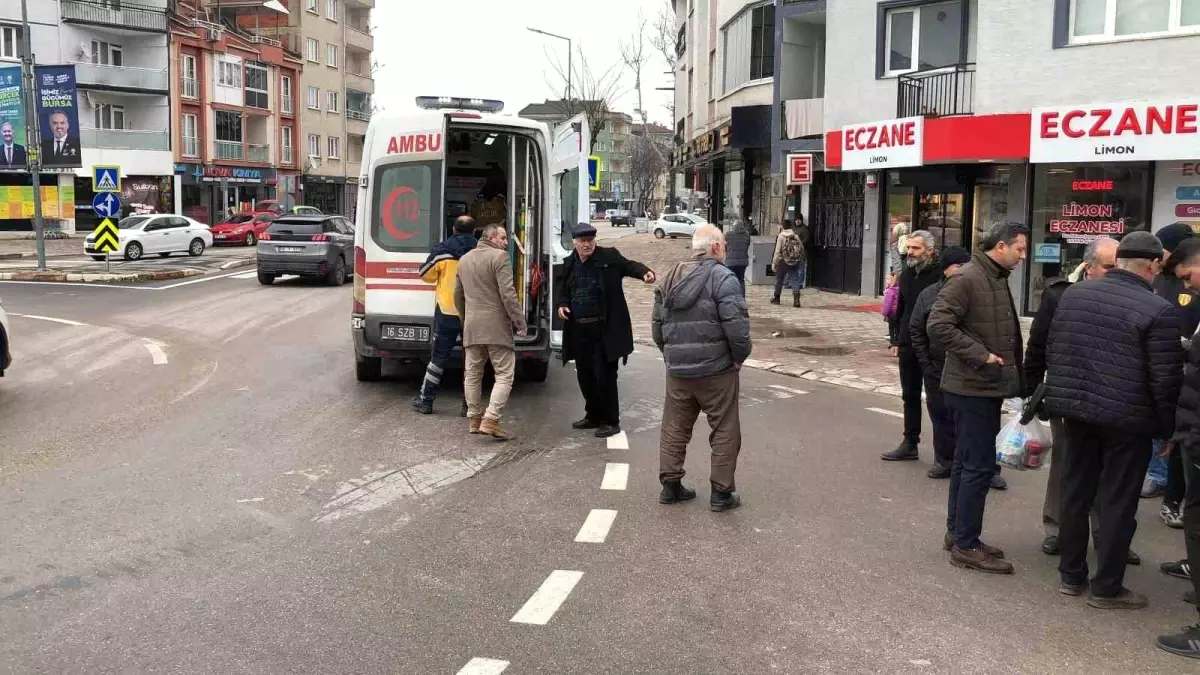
[534,371]
[368,369]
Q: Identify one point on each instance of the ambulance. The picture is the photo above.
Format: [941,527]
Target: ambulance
[455,157]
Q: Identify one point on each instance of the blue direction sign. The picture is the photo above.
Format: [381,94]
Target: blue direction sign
[106,178]
[593,173]
[107,204]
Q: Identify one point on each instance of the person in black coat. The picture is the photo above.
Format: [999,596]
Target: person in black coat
[921,270]
[597,330]
[1113,375]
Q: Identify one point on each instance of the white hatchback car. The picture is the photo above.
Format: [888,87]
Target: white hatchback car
[161,233]
[677,225]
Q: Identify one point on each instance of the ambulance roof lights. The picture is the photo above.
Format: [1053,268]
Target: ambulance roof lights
[455,103]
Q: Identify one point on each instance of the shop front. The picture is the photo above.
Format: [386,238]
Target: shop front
[212,193]
[331,194]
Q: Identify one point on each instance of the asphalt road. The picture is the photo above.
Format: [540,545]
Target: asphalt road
[191,480]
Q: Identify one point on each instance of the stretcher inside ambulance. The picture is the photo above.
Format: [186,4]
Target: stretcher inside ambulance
[421,172]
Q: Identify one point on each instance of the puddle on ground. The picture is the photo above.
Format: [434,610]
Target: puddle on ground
[776,329]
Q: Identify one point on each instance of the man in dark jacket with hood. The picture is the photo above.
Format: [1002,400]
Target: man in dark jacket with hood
[441,268]
[701,324]
[933,359]
[1113,374]
[597,330]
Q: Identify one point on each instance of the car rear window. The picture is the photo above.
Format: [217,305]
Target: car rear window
[406,206]
[241,218]
[284,225]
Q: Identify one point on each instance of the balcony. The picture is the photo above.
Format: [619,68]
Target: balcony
[287,105]
[130,17]
[258,153]
[125,139]
[369,4]
[122,78]
[357,38]
[937,93]
[227,150]
[358,115]
[803,117]
[360,81]
[190,88]
[191,146]
[287,155]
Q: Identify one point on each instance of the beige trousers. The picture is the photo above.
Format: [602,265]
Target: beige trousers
[504,362]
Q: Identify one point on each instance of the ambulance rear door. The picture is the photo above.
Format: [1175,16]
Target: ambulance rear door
[569,201]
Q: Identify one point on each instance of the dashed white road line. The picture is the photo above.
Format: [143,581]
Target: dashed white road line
[65,322]
[616,476]
[482,666]
[540,608]
[595,528]
[787,390]
[891,413]
[618,442]
[156,352]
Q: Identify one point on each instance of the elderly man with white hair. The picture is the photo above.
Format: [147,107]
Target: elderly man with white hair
[702,326]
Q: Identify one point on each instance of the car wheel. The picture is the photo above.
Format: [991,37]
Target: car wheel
[265,278]
[133,251]
[196,248]
[368,369]
[659,234]
[337,275]
[250,240]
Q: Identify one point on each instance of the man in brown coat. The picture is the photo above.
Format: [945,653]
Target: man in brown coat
[485,297]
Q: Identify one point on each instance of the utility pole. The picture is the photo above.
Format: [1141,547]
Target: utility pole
[32,135]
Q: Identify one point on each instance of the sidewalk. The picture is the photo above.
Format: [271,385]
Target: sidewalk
[66,261]
[13,247]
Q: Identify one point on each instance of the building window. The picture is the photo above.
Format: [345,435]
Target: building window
[331,10]
[285,94]
[228,141]
[749,41]
[335,147]
[10,42]
[311,5]
[109,116]
[285,144]
[257,86]
[333,102]
[923,37]
[1100,20]
[107,54]
[314,145]
[187,63]
[314,98]
[229,74]
[314,50]
[331,57]
[191,136]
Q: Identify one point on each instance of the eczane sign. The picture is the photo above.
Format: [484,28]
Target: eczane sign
[1116,132]
[883,145]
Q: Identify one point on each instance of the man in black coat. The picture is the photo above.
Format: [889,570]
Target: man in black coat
[1113,374]
[921,270]
[597,331]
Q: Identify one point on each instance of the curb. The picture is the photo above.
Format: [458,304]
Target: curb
[234,264]
[99,278]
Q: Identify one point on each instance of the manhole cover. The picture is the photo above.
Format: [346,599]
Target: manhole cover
[820,350]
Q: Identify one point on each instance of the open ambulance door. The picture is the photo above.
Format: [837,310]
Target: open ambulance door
[569,202]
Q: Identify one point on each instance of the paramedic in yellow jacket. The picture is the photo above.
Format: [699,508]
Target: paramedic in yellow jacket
[441,268]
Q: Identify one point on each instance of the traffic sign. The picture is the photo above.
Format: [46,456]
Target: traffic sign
[107,204]
[107,237]
[106,178]
[594,173]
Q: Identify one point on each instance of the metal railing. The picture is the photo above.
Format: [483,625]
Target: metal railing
[228,149]
[681,41]
[258,153]
[125,139]
[191,146]
[286,104]
[122,76]
[190,89]
[361,115]
[287,155]
[129,16]
[941,92]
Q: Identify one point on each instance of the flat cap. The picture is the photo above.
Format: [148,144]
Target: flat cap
[1140,244]
[1172,235]
[954,255]
[583,230]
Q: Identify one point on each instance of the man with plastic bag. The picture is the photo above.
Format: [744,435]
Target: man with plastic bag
[1113,375]
[975,321]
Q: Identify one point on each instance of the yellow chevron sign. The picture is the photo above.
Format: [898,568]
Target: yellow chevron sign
[106,236]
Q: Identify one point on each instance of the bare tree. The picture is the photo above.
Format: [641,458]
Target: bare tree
[592,91]
[648,163]
[663,34]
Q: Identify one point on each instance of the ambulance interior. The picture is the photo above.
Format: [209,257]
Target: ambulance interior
[494,175]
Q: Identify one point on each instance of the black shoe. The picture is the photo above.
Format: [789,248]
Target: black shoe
[938,472]
[606,430]
[1124,599]
[462,412]
[1180,569]
[723,501]
[998,482]
[585,423]
[796,300]
[1073,590]
[1185,643]
[775,300]
[905,452]
[674,492]
[1133,559]
[422,406]
[1050,545]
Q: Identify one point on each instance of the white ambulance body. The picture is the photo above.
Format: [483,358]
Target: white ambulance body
[422,170]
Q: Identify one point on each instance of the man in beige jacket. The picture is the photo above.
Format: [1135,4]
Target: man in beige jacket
[485,297]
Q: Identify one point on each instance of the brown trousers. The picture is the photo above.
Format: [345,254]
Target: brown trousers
[717,396]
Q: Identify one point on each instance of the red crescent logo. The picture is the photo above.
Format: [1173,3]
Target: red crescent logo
[389,207]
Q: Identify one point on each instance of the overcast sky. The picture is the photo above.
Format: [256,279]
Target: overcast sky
[480,48]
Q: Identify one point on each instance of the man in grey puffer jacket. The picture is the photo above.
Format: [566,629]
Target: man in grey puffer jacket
[702,326]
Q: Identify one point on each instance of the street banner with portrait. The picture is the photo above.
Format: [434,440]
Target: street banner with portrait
[13,153]
[58,114]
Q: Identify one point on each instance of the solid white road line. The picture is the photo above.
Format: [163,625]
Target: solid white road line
[481,666]
[65,322]
[618,442]
[540,608]
[156,352]
[790,390]
[246,275]
[616,475]
[197,280]
[595,528]
[892,413]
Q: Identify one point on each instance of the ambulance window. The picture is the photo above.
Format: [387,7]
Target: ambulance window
[404,210]
[569,196]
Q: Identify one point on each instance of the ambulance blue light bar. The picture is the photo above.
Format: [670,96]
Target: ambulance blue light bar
[455,103]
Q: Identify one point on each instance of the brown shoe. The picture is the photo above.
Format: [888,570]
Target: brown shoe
[977,559]
[995,552]
[492,428]
[475,423]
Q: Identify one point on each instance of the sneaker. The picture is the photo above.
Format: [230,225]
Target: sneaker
[1150,489]
[1124,599]
[1171,516]
[977,559]
[1184,643]
[1050,545]
[998,482]
[723,501]
[606,430]
[1180,569]
[938,472]
[674,492]
[422,406]
[994,551]
[903,453]
[492,428]
[1073,590]
[585,423]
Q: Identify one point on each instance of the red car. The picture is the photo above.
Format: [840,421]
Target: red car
[243,228]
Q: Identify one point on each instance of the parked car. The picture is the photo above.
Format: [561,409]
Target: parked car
[243,228]
[621,217]
[677,225]
[306,211]
[5,349]
[308,246]
[161,233]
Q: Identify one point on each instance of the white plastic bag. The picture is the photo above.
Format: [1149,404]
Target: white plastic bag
[1022,446]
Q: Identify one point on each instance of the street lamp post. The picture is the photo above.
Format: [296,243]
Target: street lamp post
[569,50]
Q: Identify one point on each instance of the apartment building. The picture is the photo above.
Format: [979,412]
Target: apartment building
[1077,119]
[233,91]
[611,146]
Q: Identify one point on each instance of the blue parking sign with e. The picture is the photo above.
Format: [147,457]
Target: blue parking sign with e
[107,205]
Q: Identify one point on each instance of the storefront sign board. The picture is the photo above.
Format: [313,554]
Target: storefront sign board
[1048,253]
[883,145]
[1116,132]
[800,169]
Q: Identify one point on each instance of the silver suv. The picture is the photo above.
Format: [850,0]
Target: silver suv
[320,247]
